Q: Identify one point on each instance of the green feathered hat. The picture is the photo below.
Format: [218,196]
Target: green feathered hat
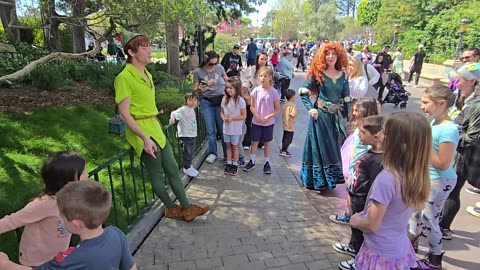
[127,36]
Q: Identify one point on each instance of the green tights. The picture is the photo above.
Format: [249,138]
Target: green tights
[165,162]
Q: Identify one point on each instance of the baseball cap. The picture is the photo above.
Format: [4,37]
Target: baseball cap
[420,46]
[468,71]
[236,46]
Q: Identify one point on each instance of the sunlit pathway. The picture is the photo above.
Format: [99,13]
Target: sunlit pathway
[263,221]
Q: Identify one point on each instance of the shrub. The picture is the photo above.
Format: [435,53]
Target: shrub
[50,77]
[169,99]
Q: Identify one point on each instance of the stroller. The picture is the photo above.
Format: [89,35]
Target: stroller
[396,92]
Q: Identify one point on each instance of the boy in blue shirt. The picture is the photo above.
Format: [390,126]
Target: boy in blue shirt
[84,207]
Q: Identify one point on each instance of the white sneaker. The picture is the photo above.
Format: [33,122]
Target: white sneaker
[246,147]
[195,170]
[190,172]
[211,158]
[407,84]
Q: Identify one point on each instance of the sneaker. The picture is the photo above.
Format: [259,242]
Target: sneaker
[190,172]
[194,211]
[285,153]
[344,249]
[474,211]
[211,158]
[477,204]
[341,219]
[415,86]
[241,163]
[233,170]
[266,168]
[249,166]
[347,265]
[246,147]
[228,167]
[447,234]
[474,191]
[407,84]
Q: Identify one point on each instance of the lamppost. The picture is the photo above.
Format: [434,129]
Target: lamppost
[396,30]
[463,24]
[369,35]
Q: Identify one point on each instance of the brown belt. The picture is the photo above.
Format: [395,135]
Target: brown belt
[145,117]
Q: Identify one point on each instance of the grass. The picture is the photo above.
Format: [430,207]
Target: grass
[28,139]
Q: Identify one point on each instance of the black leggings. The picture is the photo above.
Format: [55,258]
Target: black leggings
[452,204]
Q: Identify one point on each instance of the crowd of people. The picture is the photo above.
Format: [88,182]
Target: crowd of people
[401,171]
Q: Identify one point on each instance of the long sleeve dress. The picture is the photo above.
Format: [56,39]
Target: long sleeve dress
[322,163]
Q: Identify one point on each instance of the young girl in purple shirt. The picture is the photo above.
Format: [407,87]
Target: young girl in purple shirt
[401,188]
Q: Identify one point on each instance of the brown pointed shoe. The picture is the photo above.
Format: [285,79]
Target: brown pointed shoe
[194,211]
[174,213]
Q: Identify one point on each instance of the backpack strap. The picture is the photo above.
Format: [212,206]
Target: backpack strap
[366,71]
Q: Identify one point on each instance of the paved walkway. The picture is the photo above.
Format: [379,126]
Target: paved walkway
[271,222]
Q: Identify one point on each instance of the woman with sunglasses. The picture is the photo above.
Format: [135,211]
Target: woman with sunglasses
[209,81]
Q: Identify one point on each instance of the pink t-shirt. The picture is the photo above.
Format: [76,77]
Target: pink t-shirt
[44,235]
[264,104]
[233,109]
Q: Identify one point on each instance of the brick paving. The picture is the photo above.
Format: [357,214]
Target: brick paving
[270,222]
[257,221]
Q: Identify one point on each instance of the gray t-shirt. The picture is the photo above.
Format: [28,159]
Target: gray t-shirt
[214,79]
[108,251]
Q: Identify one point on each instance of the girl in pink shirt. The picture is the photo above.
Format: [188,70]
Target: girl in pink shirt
[44,235]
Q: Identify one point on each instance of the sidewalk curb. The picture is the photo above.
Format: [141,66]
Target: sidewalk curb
[140,231]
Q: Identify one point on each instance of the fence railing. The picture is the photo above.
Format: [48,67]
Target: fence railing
[125,177]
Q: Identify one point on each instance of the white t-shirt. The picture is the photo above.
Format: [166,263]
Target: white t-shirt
[187,121]
[233,109]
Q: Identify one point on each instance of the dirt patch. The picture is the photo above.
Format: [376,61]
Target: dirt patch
[26,98]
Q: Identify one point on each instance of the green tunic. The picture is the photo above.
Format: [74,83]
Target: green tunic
[131,84]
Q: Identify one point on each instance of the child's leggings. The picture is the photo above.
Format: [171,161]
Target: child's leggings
[241,153]
[430,216]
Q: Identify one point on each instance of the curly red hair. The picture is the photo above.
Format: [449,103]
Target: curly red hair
[319,63]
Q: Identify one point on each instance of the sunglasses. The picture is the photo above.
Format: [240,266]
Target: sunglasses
[212,64]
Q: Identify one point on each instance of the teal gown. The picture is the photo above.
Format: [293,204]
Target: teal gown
[322,163]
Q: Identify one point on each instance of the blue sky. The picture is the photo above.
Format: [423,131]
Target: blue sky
[262,11]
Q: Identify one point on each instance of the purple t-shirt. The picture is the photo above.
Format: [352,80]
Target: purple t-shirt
[264,104]
[233,109]
[390,240]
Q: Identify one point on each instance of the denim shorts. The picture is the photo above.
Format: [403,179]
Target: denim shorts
[233,139]
[261,133]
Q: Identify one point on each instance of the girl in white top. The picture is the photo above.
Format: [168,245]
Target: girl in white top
[357,82]
[233,114]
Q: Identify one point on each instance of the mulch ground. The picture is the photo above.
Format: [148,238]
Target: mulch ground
[24,99]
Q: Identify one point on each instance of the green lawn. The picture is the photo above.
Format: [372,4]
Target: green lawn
[28,139]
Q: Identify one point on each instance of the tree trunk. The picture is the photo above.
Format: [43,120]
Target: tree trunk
[51,34]
[78,31]
[173,59]
[13,34]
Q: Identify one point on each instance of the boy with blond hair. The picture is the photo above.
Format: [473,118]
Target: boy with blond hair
[84,207]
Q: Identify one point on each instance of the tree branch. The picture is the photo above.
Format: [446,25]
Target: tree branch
[6,3]
[60,55]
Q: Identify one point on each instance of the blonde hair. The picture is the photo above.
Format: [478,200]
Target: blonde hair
[407,149]
[87,201]
[358,68]
[268,70]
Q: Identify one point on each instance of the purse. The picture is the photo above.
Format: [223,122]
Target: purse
[215,100]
